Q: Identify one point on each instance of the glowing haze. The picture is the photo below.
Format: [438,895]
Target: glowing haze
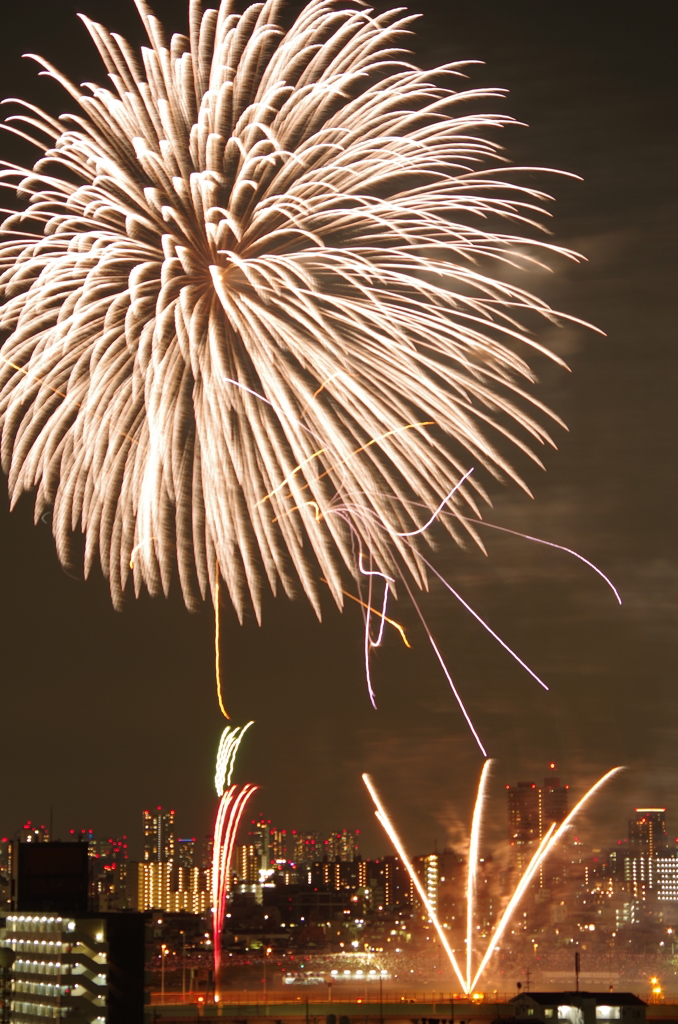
[254,305]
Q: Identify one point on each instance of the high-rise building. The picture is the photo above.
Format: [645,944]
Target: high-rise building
[31,833]
[107,852]
[260,835]
[70,962]
[277,844]
[161,886]
[397,886]
[641,877]
[118,886]
[554,802]
[335,874]
[648,873]
[206,852]
[532,809]
[307,848]
[667,878]
[168,878]
[159,836]
[113,851]
[341,845]
[53,877]
[647,832]
[186,853]
[247,863]
[523,813]
[6,856]
[6,870]
[428,869]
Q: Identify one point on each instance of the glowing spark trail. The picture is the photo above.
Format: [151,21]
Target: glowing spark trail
[246,226]
[485,625]
[134,551]
[231,807]
[391,622]
[441,506]
[446,672]
[229,814]
[472,877]
[217,643]
[550,544]
[385,822]
[231,738]
[546,845]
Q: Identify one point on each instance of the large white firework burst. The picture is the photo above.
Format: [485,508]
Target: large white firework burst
[253,305]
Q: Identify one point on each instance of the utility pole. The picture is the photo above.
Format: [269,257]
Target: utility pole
[576,971]
[183,967]
[381,1000]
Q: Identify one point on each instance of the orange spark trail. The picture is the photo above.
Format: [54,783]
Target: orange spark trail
[369,608]
[342,462]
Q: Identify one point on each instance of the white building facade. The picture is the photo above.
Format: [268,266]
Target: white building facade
[61,968]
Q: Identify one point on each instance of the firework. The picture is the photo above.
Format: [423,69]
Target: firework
[387,825]
[254,306]
[472,873]
[232,803]
[469,981]
[231,738]
[231,807]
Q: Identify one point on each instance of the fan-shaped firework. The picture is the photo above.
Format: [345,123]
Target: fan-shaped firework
[249,317]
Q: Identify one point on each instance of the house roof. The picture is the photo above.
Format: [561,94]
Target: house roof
[563,998]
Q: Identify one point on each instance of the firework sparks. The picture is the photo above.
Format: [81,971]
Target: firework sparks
[233,800]
[547,844]
[248,228]
[545,847]
[387,825]
[472,876]
[230,812]
[231,738]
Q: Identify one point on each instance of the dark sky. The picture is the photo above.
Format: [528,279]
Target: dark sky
[106,713]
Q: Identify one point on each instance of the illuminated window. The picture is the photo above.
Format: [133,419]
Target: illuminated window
[548,1012]
[571,1013]
[608,1012]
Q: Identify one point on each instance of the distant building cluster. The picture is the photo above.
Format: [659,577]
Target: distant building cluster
[290,888]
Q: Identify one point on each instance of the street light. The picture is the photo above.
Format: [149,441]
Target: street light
[163,953]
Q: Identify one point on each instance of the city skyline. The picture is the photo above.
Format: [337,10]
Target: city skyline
[521,820]
[628,895]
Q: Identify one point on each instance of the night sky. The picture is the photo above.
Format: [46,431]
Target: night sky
[107,713]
